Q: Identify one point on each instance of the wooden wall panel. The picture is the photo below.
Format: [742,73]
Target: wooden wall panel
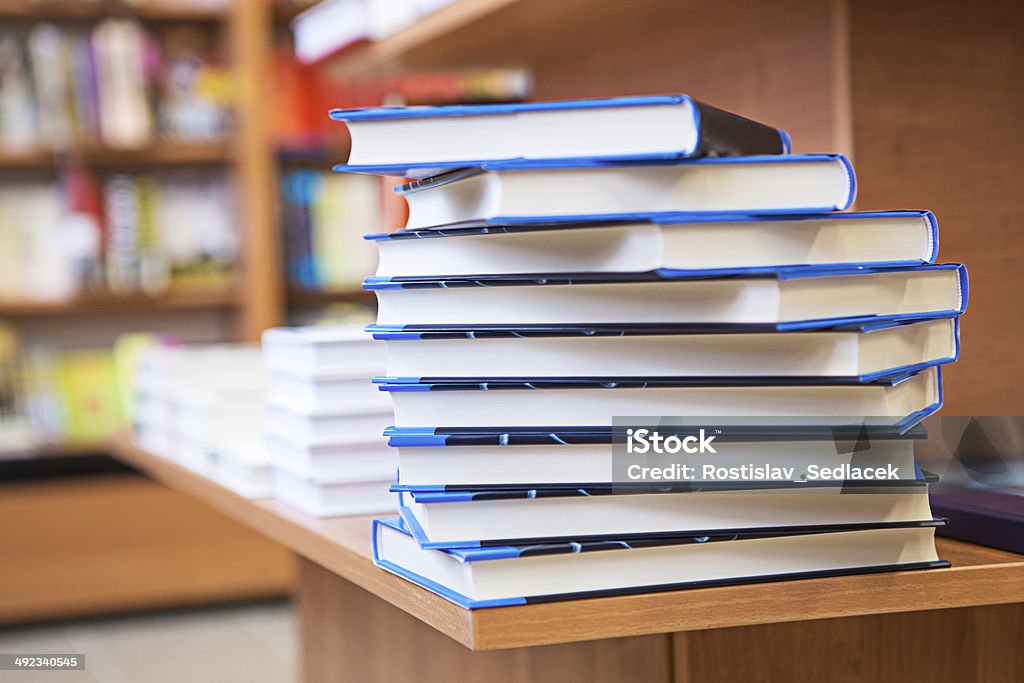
[782,62]
[946,646]
[938,106]
[112,543]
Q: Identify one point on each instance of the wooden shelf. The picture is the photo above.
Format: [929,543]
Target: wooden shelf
[980,576]
[321,158]
[484,16]
[160,10]
[161,154]
[217,298]
[54,450]
[308,298]
[284,11]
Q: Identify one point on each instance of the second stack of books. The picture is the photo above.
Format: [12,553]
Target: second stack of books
[323,420]
[671,265]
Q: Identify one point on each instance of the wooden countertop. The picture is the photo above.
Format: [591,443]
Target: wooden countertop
[979,576]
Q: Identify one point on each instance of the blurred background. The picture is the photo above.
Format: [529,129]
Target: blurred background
[165,169]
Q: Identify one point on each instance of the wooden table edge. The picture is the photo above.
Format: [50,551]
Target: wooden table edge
[581,620]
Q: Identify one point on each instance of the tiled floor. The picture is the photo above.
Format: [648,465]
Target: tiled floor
[247,643]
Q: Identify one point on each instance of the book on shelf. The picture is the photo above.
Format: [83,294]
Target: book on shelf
[992,516]
[201,406]
[323,218]
[340,348]
[333,495]
[114,84]
[659,126]
[470,519]
[310,423]
[53,396]
[194,89]
[330,458]
[503,458]
[667,244]
[120,47]
[324,418]
[303,92]
[340,391]
[240,461]
[786,299]
[18,123]
[131,233]
[505,192]
[863,352]
[532,572]
[901,401]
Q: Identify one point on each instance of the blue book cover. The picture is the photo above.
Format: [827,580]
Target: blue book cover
[444,493]
[416,332]
[696,129]
[442,437]
[581,547]
[544,225]
[957,306]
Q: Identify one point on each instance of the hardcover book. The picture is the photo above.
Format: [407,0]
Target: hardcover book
[787,299]
[657,126]
[668,245]
[513,192]
[862,353]
[470,519]
[542,572]
[901,402]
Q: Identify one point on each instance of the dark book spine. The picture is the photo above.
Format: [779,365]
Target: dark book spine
[726,134]
[991,519]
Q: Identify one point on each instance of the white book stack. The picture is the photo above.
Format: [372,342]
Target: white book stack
[324,420]
[196,405]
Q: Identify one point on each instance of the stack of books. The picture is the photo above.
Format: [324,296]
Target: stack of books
[199,405]
[324,418]
[575,277]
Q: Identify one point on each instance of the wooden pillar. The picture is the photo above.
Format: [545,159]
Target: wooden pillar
[261,296]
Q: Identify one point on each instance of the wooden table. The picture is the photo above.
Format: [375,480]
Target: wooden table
[360,623]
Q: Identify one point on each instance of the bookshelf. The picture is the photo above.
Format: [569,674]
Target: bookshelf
[298,298]
[158,155]
[57,10]
[84,305]
[237,564]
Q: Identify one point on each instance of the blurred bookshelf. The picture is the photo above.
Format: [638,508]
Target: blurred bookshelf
[298,298]
[201,146]
[85,304]
[185,154]
[66,10]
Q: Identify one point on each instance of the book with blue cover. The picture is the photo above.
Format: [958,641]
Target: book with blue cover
[653,126]
[440,460]
[670,245]
[899,402]
[533,572]
[478,518]
[860,353]
[512,192]
[786,299]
